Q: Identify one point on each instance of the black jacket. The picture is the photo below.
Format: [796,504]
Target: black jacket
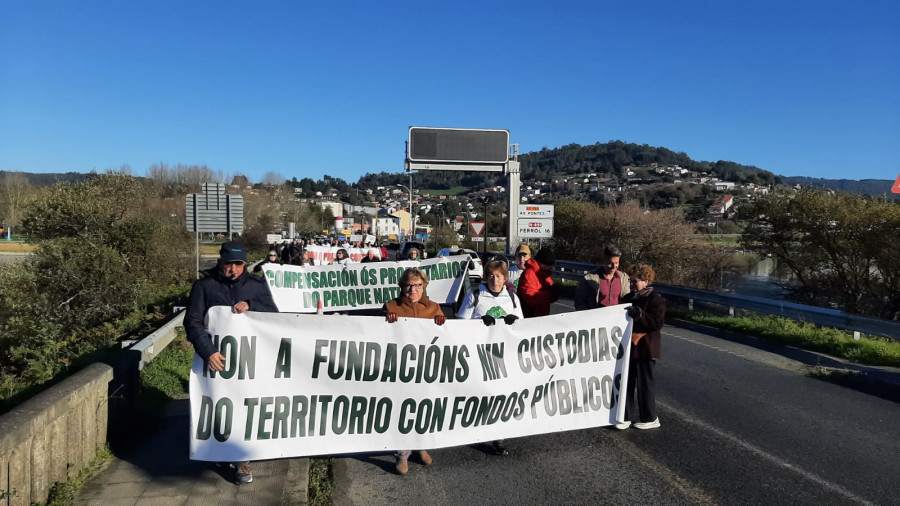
[215,290]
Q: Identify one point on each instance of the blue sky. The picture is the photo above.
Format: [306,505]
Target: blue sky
[311,88]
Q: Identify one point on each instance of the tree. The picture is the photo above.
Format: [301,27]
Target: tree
[14,192]
[839,247]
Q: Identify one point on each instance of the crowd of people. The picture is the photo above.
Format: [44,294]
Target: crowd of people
[508,293]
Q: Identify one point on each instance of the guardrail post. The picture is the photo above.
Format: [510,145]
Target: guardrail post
[731,311]
[856,335]
[691,304]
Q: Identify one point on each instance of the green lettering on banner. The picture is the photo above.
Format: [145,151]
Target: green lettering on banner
[222,424]
[265,413]
[204,421]
[250,403]
[283,362]
[280,417]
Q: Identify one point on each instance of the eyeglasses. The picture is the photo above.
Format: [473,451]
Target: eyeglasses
[417,286]
[272,256]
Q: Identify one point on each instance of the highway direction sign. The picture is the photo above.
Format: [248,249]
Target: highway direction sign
[535,228]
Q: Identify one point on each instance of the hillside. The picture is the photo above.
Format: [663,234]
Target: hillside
[38,179]
[863,186]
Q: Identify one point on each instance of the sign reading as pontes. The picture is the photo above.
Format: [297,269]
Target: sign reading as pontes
[297,384]
[360,286]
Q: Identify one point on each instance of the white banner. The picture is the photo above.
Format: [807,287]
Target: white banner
[324,255]
[298,385]
[360,286]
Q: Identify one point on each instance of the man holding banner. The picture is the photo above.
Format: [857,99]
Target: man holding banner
[412,303]
[228,284]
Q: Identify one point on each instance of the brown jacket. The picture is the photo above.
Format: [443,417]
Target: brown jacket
[404,307]
[651,321]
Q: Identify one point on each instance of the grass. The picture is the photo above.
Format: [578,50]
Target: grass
[321,482]
[456,190]
[65,493]
[868,350]
[166,377]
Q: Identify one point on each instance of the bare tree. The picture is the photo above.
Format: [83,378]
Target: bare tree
[14,192]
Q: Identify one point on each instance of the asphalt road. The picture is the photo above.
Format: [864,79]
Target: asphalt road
[739,426]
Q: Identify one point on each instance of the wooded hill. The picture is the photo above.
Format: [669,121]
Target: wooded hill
[605,159]
[865,186]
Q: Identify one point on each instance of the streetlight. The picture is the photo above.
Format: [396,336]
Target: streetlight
[412,223]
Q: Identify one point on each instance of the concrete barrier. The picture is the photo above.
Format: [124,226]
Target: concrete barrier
[52,436]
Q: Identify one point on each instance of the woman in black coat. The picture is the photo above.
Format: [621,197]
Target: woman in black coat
[648,310]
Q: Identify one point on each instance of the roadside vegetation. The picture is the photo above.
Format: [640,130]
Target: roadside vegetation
[104,267]
[868,350]
[64,494]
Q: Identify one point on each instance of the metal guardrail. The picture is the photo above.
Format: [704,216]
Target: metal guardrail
[151,345]
[816,315]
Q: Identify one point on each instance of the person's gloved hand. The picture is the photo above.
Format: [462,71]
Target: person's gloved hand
[488,320]
[392,317]
[440,319]
[635,312]
[510,319]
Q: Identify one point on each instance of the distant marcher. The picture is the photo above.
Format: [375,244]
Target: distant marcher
[536,289]
[305,261]
[413,254]
[370,257]
[604,287]
[227,284]
[286,253]
[648,310]
[413,303]
[341,257]
[523,255]
[271,258]
[296,252]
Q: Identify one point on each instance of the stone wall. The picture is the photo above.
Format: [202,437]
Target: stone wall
[53,435]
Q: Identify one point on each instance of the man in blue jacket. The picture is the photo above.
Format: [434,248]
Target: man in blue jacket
[227,284]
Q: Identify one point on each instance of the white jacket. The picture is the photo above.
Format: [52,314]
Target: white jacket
[488,304]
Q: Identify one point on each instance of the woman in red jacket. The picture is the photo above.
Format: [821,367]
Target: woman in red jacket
[536,290]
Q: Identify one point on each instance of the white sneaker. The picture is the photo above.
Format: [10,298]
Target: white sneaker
[648,425]
[623,425]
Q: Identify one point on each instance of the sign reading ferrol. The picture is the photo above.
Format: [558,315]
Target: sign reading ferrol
[535,228]
[458,146]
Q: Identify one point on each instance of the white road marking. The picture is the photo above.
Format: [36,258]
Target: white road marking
[765,455]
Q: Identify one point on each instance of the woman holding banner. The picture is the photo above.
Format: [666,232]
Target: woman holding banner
[412,303]
[494,300]
[341,257]
[648,310]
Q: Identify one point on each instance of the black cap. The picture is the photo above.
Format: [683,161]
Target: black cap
[233,251]
[545,256]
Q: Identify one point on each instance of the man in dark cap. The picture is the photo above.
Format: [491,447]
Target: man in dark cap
[227,284]
[536,290]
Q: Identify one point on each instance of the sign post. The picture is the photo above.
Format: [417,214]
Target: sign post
[213,211]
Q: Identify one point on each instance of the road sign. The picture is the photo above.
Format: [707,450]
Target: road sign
[477,227]
[478,239]
[215,212]
[535,228]
[535,210]
[464,145]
